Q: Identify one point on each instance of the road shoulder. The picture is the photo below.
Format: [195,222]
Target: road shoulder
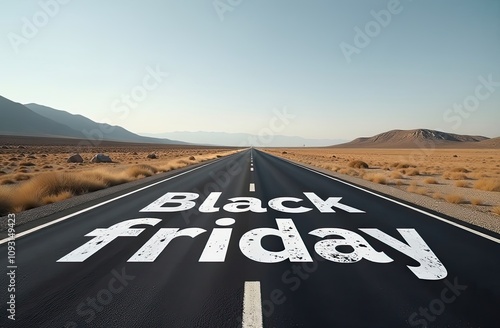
[486,221]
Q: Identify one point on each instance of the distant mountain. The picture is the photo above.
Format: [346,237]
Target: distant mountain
[86,126]
[245,139]
[17,119]
[412,139]
[493,143]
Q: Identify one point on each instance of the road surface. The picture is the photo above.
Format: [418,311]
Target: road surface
[252,240]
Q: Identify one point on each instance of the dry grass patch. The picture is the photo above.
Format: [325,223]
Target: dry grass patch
[57,198]
[488,184]
[430,181]
[412,172]
[27,164]
[462,184]
[437,195]
[460,169]
[454,199]
[357,164]
[396,175]
[376,178]
[399,165]
[476,201]
[417,190]
[19,192]
[454,176]
[496,210]
[351,172]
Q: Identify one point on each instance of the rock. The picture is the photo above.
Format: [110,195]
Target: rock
[152,156]
[101,158]
[76,158]
[21,147]
[135,153]
[192,158]
[284,153]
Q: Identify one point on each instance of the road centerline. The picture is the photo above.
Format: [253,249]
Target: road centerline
[252,305]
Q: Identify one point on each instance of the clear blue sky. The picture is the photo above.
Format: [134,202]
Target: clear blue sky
[229,74]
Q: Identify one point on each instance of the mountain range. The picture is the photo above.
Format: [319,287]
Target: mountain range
[245,139]
[37,120]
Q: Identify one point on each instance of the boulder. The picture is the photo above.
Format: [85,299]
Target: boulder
[101,158]
[76,158]
[152,156]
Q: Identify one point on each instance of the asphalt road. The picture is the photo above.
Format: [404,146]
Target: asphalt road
[255,241]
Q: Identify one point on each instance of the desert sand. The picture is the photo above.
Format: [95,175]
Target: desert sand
[469,177]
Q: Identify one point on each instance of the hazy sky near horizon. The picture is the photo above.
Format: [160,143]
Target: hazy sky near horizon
[228,65]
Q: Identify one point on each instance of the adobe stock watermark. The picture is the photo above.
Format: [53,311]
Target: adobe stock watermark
[372,29]
[457,115]
[88,309]
[125,103]
[31,26]
[293,279]
[224,6]
[471,103]
[437,306]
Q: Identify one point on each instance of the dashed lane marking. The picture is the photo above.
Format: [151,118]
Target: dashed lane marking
[252,305]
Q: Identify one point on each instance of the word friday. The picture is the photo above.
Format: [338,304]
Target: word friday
[250,244]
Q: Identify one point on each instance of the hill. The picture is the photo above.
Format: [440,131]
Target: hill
[415,139]
[91,129]
[20,120]
[493,143]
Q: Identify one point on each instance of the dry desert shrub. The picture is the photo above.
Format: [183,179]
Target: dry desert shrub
[376,178]
[140,170]
[437,195]
[396,175]
[430,181]
[57,198]
[49,187]
[357,164]
[351,172]
[5,201]
[27,164]
[455,199]
[454,175]
[399,165]
[462,184]
[460,169]
[412,172]
[476,201]
[488,184]
[416,190]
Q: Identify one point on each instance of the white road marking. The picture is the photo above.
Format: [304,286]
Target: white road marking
[496,240]
[252,305]
[252,187]
[24,233]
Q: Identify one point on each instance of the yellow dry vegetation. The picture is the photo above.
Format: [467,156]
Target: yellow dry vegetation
[20,191]
[448,174]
